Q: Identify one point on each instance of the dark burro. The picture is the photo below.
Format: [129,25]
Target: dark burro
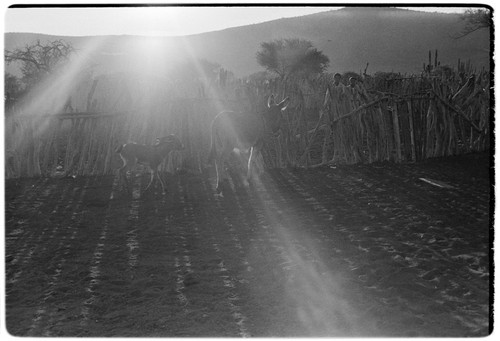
[245,131]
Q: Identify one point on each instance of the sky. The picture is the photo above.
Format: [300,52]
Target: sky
[155,20]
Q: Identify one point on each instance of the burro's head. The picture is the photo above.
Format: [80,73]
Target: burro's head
[273,115]
[171,142]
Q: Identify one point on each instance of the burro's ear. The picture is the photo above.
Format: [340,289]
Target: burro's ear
[270,101]
[284,103]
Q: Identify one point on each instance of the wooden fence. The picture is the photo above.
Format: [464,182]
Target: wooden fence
[415,118]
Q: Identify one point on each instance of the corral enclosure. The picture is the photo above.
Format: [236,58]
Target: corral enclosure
[75,128]
[372,219]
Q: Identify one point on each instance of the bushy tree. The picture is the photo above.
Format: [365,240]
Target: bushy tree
[286,57]
[39,60]
[475,19]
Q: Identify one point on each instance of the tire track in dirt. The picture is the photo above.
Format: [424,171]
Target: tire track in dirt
[43,311]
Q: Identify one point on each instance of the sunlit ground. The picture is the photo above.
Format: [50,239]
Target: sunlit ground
[316,293]
[301,253]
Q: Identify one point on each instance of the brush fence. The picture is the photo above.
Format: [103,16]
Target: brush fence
[394,119]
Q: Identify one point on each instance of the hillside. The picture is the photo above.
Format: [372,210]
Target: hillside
[389,39]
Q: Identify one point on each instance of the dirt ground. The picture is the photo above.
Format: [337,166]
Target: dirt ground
[368,250]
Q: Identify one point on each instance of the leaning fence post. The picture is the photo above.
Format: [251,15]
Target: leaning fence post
[412,134]
[397,138]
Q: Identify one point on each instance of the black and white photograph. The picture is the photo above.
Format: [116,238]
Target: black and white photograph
[218,170]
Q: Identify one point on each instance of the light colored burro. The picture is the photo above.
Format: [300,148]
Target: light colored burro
[151,155]
[243,131]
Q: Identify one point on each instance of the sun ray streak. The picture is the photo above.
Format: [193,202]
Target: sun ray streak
[313,289]
[33,117]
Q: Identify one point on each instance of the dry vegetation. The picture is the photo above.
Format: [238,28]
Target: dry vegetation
[387,117]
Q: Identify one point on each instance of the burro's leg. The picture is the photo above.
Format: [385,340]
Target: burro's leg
[151,180]
[251,163]
[161,181]
[220,167]
[121,173]
[155,173]
[128,165]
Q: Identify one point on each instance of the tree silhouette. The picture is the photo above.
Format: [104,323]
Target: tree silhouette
[475,19]
[39,60]
[291,56]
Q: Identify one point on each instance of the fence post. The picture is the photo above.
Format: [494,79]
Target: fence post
[412,134]
[397,137]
